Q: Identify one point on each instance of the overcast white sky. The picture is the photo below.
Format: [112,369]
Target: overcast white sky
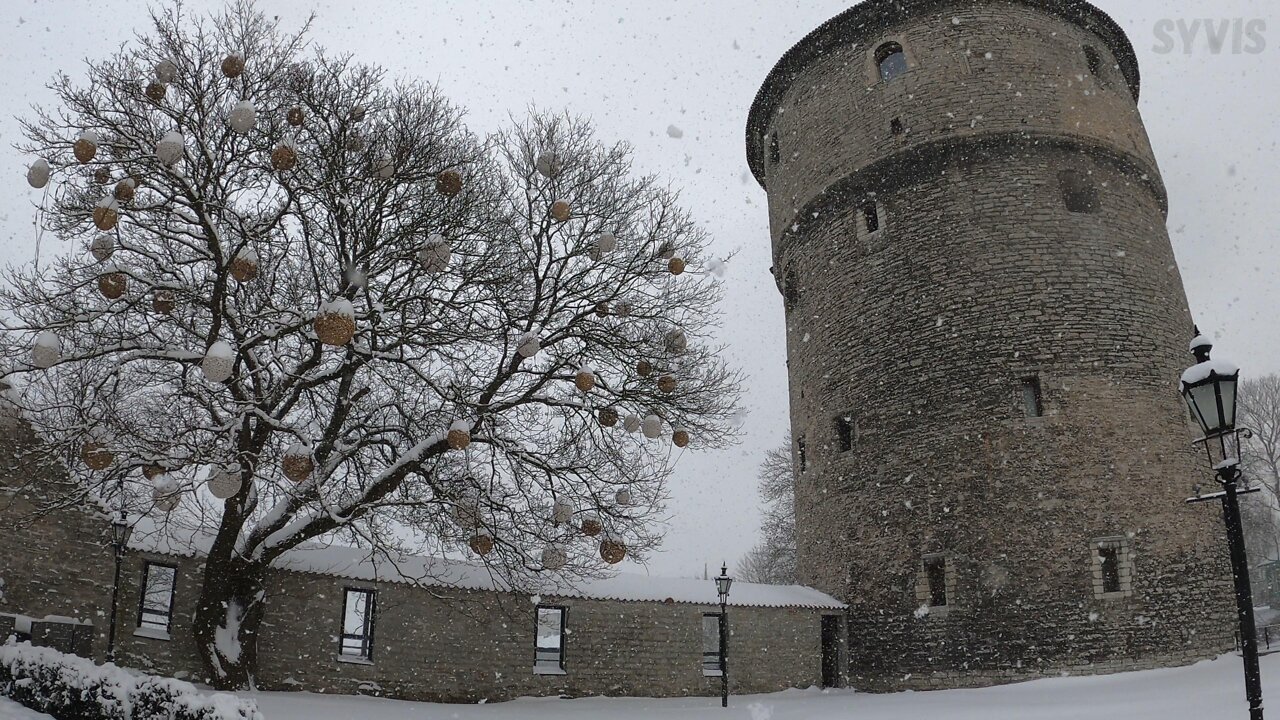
[638,68]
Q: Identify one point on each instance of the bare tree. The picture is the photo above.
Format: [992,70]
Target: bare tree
[1258,409]
[306,304]
[773,559]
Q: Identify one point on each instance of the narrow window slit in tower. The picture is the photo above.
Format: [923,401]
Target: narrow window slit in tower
[935,571]
[1093,59]
[846,433]
[1109,558]
[1078,192]
[890,60]
[870,215]
[800,453]
[895,127]
[775,153]
[1032,401]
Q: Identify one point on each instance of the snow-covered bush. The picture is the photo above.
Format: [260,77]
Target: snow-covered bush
[74,688]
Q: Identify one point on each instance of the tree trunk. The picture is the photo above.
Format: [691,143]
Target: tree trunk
[227,618]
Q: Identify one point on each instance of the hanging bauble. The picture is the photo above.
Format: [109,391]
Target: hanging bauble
[680,438]
[560,210]
[548,164]
[622,308]
[585,379]
[386,167]
[355,142]
[666,250]
[608,417]
[357,114]
[38,173]
[612,550]
[717,268]
[459,436]
[166,71]
[335,323]
[606,243]
[435,254]
[125,190]
[244,266]
[112,284]
[295,117]
[602,309]
[676,341]
[554,558]
[667,384]
[561,511]
[449,182]
[232,66]
[151,471]
[102,175]
[284,158]
[529,345]
[47,350]
[243,117]
[102,247]
[96,455]
[644,368]
[466,511]
[623,497]
[162,301]
[219,361]
[169,147]
[631,423]
[165,494]
[86,146]
[224,483]
[591,525]
[481,544]
[155,91]
[297,463]
[675,265]
[652,426]
[106,213]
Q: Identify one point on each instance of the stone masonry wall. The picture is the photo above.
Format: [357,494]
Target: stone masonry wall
[922,332]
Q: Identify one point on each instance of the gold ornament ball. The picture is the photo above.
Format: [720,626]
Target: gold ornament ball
[675,265]
[155,91]
[591,527]
[612,551]
[233,66]
[125,190]
[458,439]
[297,467]
[244,269]
[102,175]
[644,368]
[608,417]
[85,150]
[680,438]
[162,301]
[151,471]
[560,210]
[112,285]
[449,183]
[105,218]
[284,158]
[294,116]
[585,381]
[96,456]
[481,545]
[334,329]
[667,384]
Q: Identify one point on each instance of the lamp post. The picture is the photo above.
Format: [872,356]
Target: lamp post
[722,589]
[119,537]
[1209,388]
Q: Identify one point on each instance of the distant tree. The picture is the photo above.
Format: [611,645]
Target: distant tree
[305,304]
[1258,409]
[773,559]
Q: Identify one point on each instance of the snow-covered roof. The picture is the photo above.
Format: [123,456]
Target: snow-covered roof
[363,564]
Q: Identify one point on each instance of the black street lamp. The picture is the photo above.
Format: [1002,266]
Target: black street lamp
[1209,387]
[120,531]
[723,582]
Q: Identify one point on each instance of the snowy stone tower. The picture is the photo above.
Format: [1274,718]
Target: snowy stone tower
[985,329]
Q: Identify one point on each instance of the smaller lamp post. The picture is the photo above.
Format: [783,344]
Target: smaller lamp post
[120,531]
[723,582]
[1209,388]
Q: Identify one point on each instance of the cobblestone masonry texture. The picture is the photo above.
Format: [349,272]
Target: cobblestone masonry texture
[922,332]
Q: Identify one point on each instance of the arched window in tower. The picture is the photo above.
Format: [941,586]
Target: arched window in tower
[1093,59]
[1079,193]
[890,60]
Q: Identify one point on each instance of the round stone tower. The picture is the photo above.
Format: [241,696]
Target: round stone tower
[985,330]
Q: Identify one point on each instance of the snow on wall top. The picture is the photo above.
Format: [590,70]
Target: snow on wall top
[364,564]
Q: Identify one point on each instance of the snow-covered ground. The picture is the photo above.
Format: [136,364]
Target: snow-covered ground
[1205,691]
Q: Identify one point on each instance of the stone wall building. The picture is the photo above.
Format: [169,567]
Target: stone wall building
[985,329]
[343,620]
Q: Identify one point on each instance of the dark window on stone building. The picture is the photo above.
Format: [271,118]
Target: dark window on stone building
[356,640]
[1078,192]
[870,215]
[846,433]
[790,291]
[1109,559]
[895,126]
[1032,401]
[890,61]
[548,651]
[935,572]
[800,458]
[1093,59]
[155,611]
[775,153]
[711,644]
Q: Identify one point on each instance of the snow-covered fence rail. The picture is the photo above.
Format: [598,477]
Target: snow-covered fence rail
[73,688]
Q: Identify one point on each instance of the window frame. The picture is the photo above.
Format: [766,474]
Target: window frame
[882,53]
[716,670]
[1124,567]
[366,639]
[560,666]
[142,598]
[1033,405]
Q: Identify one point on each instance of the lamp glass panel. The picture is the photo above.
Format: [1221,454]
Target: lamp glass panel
[1227,388]
[1206,402]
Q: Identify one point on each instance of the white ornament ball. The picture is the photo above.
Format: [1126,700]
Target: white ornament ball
[623,497]
[435,253]
[561,511]
[166,71]
[386,168]
[169,148]
[548,165]
[652,426]
[607,243]
[218,362]
[224,483]
[38,174]
[529,345]
[243,117]
[554,558]
[102,247]
[47,350]
[631,423]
